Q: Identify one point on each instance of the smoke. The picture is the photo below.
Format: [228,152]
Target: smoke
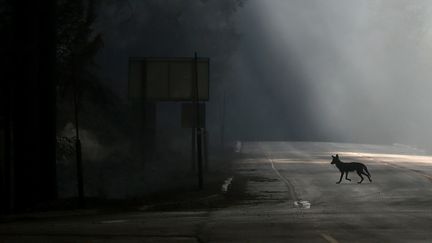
[334,70]
[156,28]
[291,70]
[117,158]
[344,70]
[163,28]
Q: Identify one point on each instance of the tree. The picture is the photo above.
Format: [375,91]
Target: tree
[77,45]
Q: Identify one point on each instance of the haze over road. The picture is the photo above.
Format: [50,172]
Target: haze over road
[395,207]
[291,196]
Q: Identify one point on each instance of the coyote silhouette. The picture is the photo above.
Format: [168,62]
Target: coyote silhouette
[352,166]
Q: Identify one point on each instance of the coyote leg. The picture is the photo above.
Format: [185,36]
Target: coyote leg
[358,172]
[346,176]
[340,179]
[367,176]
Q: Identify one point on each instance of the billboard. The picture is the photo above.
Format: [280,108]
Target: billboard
[168,79]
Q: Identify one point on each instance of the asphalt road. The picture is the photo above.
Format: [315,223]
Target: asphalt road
[299,200]
[289,194]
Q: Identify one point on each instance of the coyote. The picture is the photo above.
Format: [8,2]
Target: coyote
[352,166]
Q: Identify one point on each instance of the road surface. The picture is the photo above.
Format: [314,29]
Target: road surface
[289,194]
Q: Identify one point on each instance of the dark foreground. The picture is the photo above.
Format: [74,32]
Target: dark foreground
[281,192]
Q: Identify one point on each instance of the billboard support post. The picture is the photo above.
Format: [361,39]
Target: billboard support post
[79,166]
[175,79]
[197,124]
[193,137]
[222,129]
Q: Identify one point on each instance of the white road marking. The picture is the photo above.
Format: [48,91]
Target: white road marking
[302,204]
[114,221]
[291,189]
[238,146]
[226,185]
[329,238]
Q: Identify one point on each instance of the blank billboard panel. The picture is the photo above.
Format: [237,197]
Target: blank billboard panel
[167,79]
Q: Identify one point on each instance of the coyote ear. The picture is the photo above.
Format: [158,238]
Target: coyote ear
[333,156]
[337,155]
